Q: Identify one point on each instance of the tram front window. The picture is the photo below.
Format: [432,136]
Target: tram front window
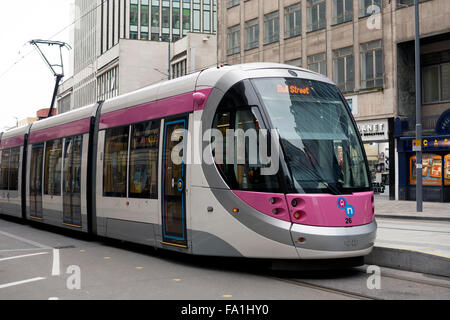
[318,137]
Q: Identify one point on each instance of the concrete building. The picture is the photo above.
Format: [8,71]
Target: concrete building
[367,48]
[123,45]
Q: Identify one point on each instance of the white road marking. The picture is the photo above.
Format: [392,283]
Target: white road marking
[56,269]
[33,243]
[18,250]
[23,256]
[11,284]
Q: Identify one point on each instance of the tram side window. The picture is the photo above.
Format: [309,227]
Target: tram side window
[144,160]
[115,163]
[5,169]
[53,161]
[14,163]
[240,164]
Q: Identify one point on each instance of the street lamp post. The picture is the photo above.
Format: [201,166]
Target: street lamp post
[419,165]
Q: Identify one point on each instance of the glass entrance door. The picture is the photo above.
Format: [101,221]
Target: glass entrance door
[72,180]
[173,186]
[37,154]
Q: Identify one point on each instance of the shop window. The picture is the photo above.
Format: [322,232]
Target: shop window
[52,176]
[115,163]
[431,171]
[144,160]
[447,170]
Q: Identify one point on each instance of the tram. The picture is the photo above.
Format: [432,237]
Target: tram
[178,165]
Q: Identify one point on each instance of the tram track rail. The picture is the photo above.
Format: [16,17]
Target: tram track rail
[341,292]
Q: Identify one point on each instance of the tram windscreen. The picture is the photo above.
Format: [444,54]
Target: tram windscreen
[318,137]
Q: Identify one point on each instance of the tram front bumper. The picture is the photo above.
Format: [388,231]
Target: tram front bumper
[314,242]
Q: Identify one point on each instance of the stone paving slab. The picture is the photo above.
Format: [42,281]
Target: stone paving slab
[407,209]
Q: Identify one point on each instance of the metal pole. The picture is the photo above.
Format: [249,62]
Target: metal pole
[168,62]
[419,191]
[55,94]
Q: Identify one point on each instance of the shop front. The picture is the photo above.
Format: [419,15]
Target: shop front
[379,149]
[435,168]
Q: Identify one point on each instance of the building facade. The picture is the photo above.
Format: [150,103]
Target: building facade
[367,48]
[124,45]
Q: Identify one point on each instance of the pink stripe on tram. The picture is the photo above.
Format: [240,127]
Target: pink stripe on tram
[154,110]
[64,130]
[12,142]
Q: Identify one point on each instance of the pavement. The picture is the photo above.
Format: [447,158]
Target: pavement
[412,241]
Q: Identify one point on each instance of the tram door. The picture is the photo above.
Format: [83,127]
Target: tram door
[37,157]
[173,186]
[72,181]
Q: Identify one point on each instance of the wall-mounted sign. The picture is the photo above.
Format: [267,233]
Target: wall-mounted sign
[353,104]
[443,123]
[430,144]
[374,130]
[417,145]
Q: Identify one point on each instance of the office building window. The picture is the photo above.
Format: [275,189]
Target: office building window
[295,62]
[144,19]
[166,17]
[342,11]
[179,69]
[155,16]
[271,27]
[214,16]
[134,19]
[318,63]
[64,104]
[115,162]
[344,69]
[372,65]
[232,3]
[206,16]
[108,84]
[186,16]
[196,16]
[176,19]
[293,21]
[234,40]
[369,7]
[252,34]
[436,83]
[317,15]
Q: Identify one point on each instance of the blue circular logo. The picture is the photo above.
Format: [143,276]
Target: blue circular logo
[180,185]
[342,203]
[349,211]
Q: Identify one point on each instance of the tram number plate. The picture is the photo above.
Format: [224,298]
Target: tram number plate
[348,221]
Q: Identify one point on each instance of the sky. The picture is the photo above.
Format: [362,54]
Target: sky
[27,86]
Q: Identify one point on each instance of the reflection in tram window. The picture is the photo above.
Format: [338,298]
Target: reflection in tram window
[115,163]
[312,121]
[5,169]
[144,160]
[238,165]
[37,155]
[14,163]
[52,175]
[72,180]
